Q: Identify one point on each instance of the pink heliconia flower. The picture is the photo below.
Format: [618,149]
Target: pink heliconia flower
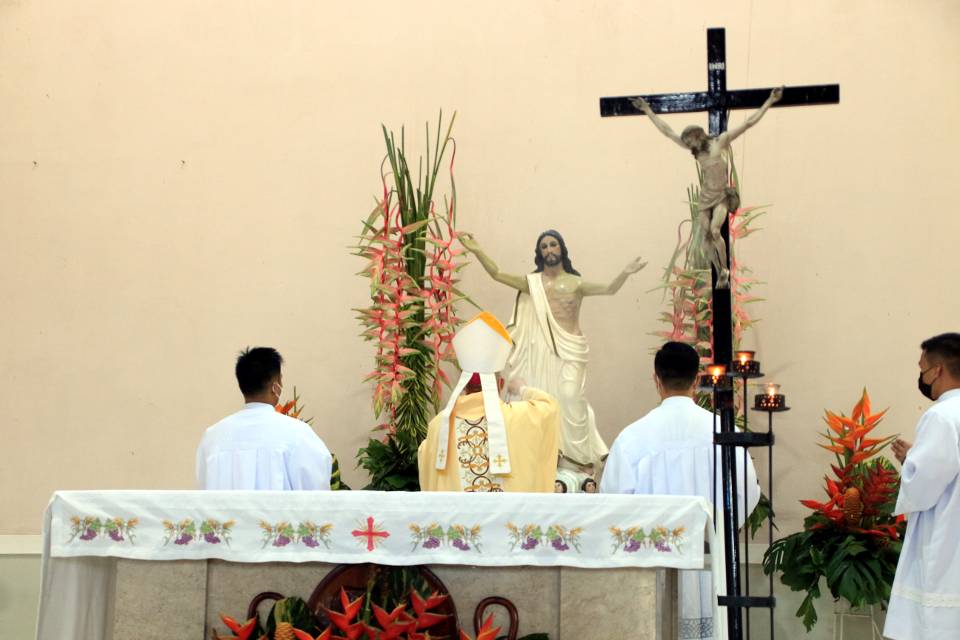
[408,316]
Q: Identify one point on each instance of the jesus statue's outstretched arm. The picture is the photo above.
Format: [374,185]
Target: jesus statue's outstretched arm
[736,132]
[595,289]
[664,128]
[470,244]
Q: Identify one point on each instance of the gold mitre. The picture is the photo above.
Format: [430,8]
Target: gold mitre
[482,345]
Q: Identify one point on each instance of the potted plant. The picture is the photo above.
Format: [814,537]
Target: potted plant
[852,540]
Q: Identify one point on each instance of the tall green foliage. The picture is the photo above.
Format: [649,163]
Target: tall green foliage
[412,268]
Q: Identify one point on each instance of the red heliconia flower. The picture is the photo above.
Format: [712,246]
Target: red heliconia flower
[487,631]
[859,490]
[422,607]
[242,630]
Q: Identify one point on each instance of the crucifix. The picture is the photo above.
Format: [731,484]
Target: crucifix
[717,101]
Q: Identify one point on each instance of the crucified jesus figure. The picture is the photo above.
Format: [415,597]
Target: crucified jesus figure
[717,198]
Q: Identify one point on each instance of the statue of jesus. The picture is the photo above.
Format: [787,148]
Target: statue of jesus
[549,350]
[717,197]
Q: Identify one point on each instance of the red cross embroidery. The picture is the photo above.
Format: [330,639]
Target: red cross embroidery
[371,533]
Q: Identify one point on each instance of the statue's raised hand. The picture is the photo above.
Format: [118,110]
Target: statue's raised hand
[640,103]
[635,265]
[467,240]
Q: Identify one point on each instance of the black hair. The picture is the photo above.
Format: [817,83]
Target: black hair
[676,364]
[256,367]
[564,254]
[944,348]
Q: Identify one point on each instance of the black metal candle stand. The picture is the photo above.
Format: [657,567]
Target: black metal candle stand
[739,604]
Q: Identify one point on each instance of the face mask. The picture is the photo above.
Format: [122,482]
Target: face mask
[279,392]
[925,388]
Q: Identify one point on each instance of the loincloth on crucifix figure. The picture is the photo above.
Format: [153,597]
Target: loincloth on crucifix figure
[714,191]
[550,352]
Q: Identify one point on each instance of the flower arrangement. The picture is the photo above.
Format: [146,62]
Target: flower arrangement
[289,619]
[412,266]
[400,623]
[852,539]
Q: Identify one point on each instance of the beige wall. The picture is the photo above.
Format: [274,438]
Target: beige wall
[179,180]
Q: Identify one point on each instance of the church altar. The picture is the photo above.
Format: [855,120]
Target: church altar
[108,554]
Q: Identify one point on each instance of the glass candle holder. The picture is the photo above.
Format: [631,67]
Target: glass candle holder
[714,376]
[744,363]
[772,400]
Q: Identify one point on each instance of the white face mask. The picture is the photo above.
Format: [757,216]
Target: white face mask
[279,392]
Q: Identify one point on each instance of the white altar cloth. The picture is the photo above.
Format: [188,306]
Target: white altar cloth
[344,527]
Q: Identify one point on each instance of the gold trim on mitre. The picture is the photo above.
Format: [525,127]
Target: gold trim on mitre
[494,324]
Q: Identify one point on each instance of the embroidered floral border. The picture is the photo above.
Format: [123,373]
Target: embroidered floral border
[660,539]
[306,533]
[530,536]
[87,528]
[435,535]
[188,531]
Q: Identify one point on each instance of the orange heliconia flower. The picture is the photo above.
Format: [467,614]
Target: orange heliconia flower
[858,490]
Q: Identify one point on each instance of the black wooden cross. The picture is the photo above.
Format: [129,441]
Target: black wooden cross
[717,101]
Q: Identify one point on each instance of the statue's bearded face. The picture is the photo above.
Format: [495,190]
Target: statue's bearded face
[696,140]
[550,251]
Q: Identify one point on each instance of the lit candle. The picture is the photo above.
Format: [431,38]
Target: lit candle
[772,400]
[744,364]
[714,376]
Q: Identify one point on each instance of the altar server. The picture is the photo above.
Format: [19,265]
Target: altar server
[670,451]
[258,447]
[925,599]
[478,442]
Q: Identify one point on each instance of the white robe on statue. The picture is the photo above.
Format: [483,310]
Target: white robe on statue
[925,599]
[548,357]
[260,448]
[670,451]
